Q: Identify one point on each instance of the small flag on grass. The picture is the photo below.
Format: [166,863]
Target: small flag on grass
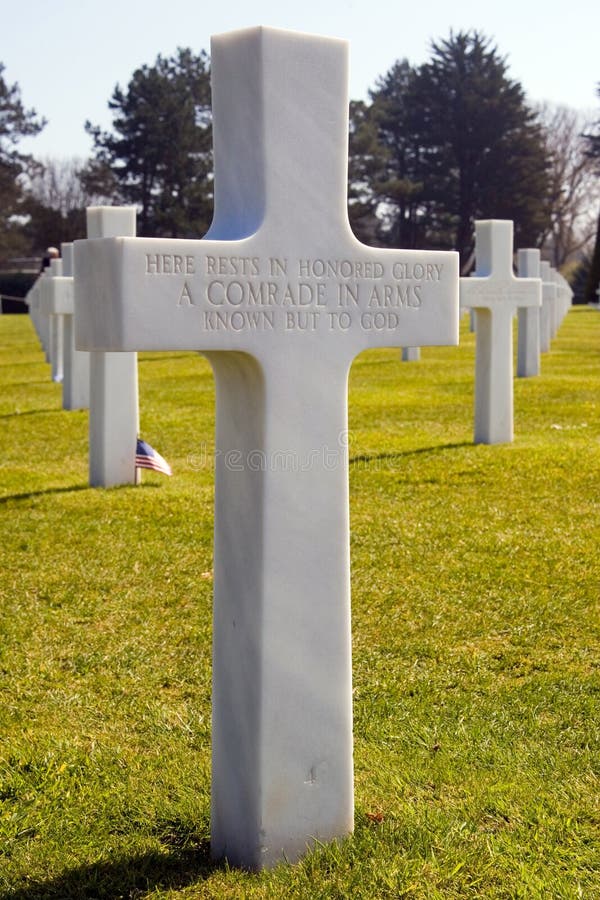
[147,458]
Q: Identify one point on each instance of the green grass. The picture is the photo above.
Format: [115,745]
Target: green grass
[476,585]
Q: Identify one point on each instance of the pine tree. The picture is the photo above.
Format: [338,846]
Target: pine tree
[159,154]
[16,122]
[455,141]
[385,160]
[484,150]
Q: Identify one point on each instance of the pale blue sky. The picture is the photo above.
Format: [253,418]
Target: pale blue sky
[68,55]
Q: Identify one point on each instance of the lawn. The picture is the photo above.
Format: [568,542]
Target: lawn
[476,639]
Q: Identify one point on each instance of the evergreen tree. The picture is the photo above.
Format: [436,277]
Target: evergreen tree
[384,160]
[455,142]
[159,154]
[484,154]
[16,122]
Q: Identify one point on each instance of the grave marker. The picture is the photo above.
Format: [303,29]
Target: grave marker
[547,309]
[41,321]
[494,293]
[411,354]
[76,377]
[32,300]
[557,306]
[114,415]
[55,319]
[564,296]
[567,293]
[281,296]
[528,343]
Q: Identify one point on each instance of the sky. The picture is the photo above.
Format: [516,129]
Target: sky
[68,55]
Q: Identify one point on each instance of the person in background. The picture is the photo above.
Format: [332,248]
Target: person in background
[50,254]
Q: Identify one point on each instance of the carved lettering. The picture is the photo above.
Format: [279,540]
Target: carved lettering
[239,320]
[365,294]
[347,293]
[277,267]
[301,321]
[379,321]
[233,265]
[339,268]
[169,264]
[408,295]
[339,320]
[185,298]
[417,271]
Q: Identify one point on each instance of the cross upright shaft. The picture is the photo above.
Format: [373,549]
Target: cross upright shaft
[288,638]
[269,96]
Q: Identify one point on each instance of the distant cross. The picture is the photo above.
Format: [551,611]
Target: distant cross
[32,299]
[495,293]
[565,295]
[411,354]
[556,306]
[54,320]
[76,365]
[548,303]
[281,297]
[114,412]
[41,319]
[528,343]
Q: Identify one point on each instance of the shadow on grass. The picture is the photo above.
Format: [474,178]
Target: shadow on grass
[164,357]
[24,362]
[127,877]
[366,458]
[30,495]
[30,412]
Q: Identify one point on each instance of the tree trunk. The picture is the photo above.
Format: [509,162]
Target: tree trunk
[593,279]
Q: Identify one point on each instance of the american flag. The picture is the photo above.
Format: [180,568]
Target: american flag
[147,458]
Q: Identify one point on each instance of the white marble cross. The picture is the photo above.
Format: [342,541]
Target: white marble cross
[495,293]
[114,407]
[33,302]
[281,297]
[56,322]
[41,320]
[548,304]
[565,293]
[528,343]
[411,354]
[76,364]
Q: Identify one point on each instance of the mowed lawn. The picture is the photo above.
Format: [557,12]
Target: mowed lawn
[476,635]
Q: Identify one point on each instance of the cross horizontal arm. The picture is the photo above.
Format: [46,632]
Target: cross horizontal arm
[487,293]
[149,294]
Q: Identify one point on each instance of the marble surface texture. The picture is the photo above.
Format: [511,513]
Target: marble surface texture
[281,297]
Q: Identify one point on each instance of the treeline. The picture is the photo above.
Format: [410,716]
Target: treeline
[434,148]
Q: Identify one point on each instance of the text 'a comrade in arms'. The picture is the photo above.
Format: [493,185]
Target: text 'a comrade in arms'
[217,292]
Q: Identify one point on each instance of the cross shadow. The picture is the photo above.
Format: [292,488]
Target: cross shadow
[390,457]
[30,495]
[31,412]
[128,876]
[26,362]
[163,357]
